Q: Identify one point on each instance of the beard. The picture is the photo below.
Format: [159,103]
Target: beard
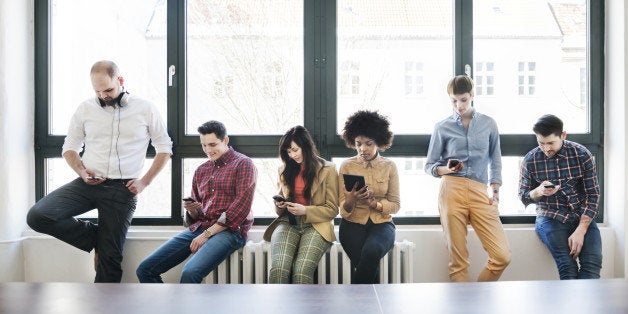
[109,101]
[113,102]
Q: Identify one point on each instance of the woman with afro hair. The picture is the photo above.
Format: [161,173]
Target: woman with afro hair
[367,232]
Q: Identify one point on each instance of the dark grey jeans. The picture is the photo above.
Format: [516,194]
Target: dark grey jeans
[54,215]
[366,245]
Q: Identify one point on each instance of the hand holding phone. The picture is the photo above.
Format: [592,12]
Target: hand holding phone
[453,163]
[279,198]
[549,186]
[94,178]
[188,199]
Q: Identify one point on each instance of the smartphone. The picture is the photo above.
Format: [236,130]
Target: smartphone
[188,199]
[94,178]
[279,198]
[549,186]
[453,163]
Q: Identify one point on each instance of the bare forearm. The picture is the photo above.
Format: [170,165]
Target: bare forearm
[159,162]
[443,170]
[583,226]
[74,161]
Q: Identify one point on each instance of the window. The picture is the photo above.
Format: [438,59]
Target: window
[413,78]
[74,47]
[484,79]
[526,78]
[255,49]
[403,48]
[583,88]
[537,48]
[274,86]
[264,66]
[350,78]
[223,87]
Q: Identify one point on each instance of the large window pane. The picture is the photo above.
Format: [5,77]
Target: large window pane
[245,64]
[128,32]
[154,201]
[539,58]
[419,190]
[266,187]
[395,56]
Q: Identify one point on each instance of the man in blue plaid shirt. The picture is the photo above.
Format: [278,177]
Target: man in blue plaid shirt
[559,176]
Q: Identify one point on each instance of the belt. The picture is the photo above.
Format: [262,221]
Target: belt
[123,181]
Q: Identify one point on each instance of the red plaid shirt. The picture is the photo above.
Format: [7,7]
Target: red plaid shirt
[225,188]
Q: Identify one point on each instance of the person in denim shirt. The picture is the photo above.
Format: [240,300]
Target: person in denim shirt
[559,176]
[464,152]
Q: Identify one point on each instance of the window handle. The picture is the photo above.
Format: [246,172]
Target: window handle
[171,71]
[467,70]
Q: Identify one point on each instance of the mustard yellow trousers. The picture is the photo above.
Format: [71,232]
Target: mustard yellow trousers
[462,201]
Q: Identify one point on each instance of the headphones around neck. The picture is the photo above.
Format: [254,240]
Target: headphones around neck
[118,100]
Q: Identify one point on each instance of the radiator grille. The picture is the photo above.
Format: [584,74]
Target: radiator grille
[251,264]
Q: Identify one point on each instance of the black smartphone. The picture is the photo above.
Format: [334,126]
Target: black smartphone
[279,198]
[351,180]
[549,186]
[94,178]
[453,163]
[188,199]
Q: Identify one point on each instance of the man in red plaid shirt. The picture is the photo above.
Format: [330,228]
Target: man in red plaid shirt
[218,212]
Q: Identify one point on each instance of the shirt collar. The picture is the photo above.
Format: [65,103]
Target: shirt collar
[225,158]
[370,163]
[458,118]
[562,152]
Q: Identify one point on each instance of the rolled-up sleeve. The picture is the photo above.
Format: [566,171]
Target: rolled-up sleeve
[158,132]
[526,182]
[434,153]
[76,133]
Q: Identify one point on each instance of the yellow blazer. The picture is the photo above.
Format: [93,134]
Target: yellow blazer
[323,205]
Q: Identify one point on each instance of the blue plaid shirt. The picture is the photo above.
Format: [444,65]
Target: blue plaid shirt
[573,168]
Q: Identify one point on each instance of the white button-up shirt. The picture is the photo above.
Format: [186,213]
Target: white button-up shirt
[115,139]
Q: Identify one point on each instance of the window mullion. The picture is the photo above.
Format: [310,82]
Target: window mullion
[463,36]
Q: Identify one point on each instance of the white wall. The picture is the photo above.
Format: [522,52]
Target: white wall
[16,130]
[46,259]
[616,115]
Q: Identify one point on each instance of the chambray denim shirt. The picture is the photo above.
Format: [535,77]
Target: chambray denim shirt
[478,148]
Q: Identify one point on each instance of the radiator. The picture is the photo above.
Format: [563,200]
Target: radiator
[251,264]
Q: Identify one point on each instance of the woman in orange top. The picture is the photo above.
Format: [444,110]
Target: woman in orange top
[304,230]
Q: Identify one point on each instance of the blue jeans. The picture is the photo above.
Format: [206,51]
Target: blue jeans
[177,249]
[366,245]
[555,234]
[54,215]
